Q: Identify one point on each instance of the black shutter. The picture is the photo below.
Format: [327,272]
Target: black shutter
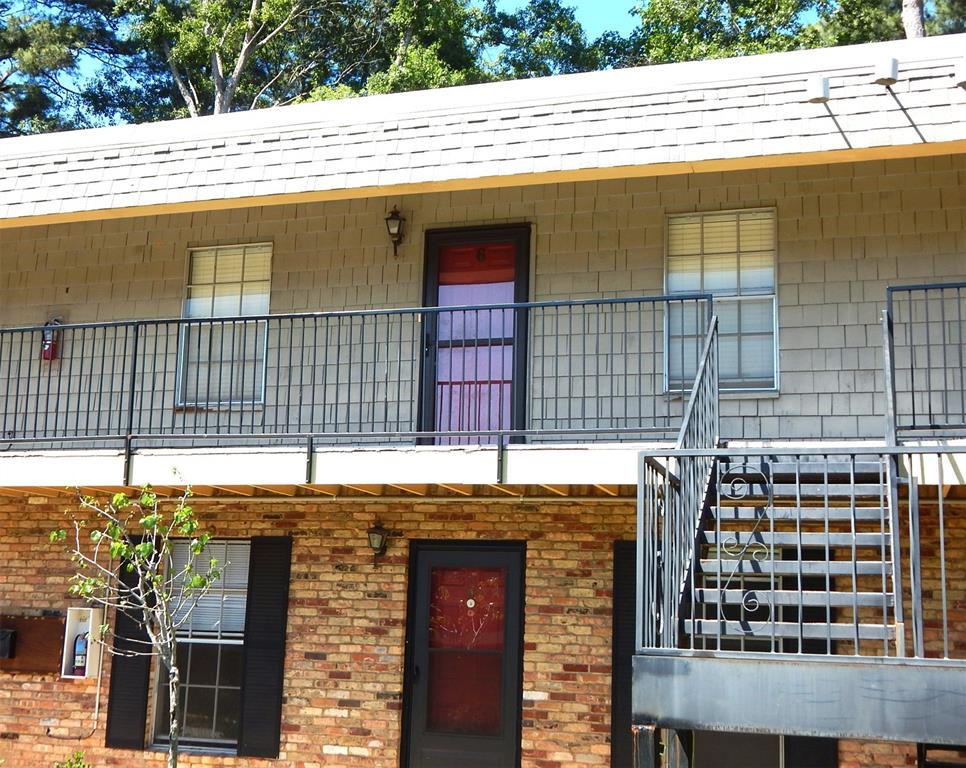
[264,656]
[127,706]
[624,613]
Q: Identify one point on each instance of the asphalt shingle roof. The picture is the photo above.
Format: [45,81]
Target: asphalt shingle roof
[692,112]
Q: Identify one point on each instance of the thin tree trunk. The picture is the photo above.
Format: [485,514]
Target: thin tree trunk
[912,18]
[174,726]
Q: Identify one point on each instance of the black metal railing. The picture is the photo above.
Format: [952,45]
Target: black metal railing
[542,370]
[925,356]
[665,546]
[808,551]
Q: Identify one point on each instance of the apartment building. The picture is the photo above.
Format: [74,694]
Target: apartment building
[652,379]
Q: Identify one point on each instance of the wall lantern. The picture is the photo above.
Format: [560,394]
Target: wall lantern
[394,225]
[378,540]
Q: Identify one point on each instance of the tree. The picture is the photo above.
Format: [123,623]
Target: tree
[542,38]
[33,51]
[122,550]
[684,30]
[912,18]
[216,56]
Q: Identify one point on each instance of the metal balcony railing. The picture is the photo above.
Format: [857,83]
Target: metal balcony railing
[578,370]
[925,355]
[845,552]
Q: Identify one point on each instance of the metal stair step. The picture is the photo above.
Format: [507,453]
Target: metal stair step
[751,566]
[804,490]
[793,539]
[768,629]
[809,514]
[792,597]
[812,468]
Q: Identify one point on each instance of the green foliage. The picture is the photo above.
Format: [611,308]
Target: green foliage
[684,30]
[158,59]
[541,38]
[76,760]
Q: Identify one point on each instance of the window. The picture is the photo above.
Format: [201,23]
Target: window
[730,255]
[223,360]
[210,646]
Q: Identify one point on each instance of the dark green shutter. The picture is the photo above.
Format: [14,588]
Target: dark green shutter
[624,615]
[127,706]
[264,655]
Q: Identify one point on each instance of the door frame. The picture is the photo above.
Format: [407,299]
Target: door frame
[416,547]
[436,239]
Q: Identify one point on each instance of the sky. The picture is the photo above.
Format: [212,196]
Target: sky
[596,16]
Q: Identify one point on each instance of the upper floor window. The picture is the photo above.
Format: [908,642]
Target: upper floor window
[731,255]
[223,358]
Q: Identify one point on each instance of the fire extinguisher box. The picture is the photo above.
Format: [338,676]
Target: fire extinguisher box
[82,655]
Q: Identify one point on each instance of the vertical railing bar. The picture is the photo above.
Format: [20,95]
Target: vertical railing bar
[89,411]
[928,374]
[50,373]
[884,586]
[363,357]
[313,373]
[962,354]
[26,405]
[132,386]
[915,568]
[720,614]
[29,382]
[325,373]
[943,349]
[338,372]
[892,472]
[855,565]
[799,554]
[828,556]
[942,556]
[60,378]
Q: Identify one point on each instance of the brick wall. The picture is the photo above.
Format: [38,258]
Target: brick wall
[344,653]
[845,232]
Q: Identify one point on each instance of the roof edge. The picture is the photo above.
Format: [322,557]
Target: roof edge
[827,157]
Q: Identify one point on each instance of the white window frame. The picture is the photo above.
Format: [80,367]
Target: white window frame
[716,300]
[183,365]
[187,637]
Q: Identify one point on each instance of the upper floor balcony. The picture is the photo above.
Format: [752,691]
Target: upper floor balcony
[470,381]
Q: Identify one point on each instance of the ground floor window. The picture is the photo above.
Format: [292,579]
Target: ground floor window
[210,644]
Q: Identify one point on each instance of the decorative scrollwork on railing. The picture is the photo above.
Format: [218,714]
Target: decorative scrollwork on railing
[738,483]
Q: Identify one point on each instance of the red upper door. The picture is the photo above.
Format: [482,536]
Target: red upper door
[473,370]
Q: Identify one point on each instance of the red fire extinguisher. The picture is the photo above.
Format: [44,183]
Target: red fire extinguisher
[48,340]
[80,654]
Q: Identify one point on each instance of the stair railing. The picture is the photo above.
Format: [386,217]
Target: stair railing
[671,503]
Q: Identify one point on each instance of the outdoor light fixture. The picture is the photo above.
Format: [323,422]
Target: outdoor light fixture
[394,225]
[378,540]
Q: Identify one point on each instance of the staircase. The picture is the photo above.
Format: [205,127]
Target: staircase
[794,555]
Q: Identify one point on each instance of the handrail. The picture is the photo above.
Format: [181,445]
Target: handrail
[671,506]
[700,380]
[343,313]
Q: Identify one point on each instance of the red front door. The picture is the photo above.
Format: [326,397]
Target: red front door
[473,368]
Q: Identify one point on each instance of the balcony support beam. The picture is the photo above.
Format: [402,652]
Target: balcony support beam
[835,697]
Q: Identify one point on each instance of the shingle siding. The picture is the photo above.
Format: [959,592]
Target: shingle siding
[845,233]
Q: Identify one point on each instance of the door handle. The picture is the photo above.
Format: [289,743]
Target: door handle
[415,673]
